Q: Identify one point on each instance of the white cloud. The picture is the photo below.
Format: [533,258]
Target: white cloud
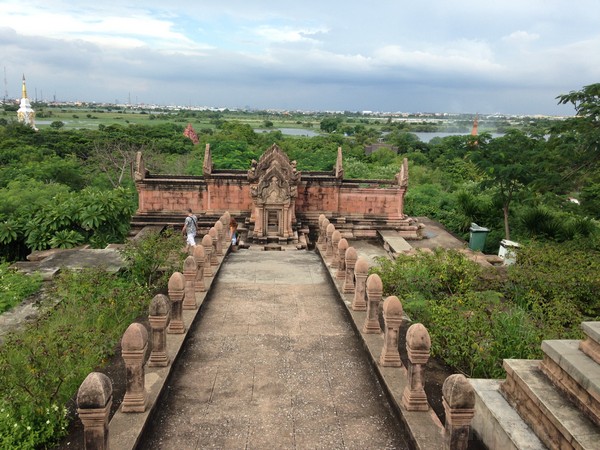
[316,53]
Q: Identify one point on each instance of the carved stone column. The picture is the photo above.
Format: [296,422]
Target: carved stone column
[189,273]
[133,350]
[220,235]
[199,257]
[418,346]
[321,238]
[341,249]
[160,314]
[208,248]
[392,315]
[351,257]
[176,293]
[214,260]
[361,271]
[459,406]
[226,219]
[336,237]
[328,247]
[94,399]
[324,226]
[374,293]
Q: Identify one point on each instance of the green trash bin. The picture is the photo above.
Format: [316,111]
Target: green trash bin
[477,237]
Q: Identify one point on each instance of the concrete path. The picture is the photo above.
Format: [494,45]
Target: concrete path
[273,363]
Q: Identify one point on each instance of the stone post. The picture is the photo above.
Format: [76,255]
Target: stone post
[341,248]
[321,239]
[336,237]
[226,219]
[323,230]
[392,315]
[214,261]
[94,399]
[199,257]
[418,346]
[459,406]
[220,235]
[176,293]
[189,273]
[328,246]
[361,271]
[159,316]
[134,344]
[208,246]
[351,257]
[374,293]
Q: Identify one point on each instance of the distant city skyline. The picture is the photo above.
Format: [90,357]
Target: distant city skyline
[466,56]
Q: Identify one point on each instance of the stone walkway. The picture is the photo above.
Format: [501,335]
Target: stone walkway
[273,363]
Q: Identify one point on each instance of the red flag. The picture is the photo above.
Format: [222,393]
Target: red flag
[190,133]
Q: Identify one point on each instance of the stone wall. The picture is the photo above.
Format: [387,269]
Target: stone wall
[365,206]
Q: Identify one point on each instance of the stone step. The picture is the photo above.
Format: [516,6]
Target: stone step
[496,423]
[575,373]
[548,411]
[591,345]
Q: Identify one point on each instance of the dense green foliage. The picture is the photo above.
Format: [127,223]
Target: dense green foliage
[71,183]
[16,287]
[93,310]
[476,319]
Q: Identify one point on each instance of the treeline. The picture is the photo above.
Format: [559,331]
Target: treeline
[61,187]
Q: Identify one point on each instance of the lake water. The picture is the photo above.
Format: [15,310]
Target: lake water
[426,137]
[291,131]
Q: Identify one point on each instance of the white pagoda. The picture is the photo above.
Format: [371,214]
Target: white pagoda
[25,113]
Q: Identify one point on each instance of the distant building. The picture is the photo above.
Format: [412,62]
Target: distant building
[25,113]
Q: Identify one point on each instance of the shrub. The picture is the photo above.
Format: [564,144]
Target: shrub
[475,331]
[94,309]
[16,287]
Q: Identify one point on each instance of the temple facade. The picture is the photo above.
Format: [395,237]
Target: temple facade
[25,113]
[275,201]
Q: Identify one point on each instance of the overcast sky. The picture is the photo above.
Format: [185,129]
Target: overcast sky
[486,56]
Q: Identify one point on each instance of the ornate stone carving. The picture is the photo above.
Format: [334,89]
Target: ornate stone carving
[273,186]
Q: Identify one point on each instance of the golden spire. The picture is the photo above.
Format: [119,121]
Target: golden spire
[24,88]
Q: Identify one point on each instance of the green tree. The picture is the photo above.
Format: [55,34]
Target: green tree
[509,163]
[330,124]
[57,124]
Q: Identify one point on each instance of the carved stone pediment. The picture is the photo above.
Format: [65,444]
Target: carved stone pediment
[273,186]
[274,157]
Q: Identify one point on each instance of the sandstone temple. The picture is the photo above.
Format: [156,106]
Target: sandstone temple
[274,202]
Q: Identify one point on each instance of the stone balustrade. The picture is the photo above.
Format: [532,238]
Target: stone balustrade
[336,237]
[392,315]
[342,247]
[321,237]
[190,269]
[95,395]
[94,399]
[159,317]
[350,262]
[207,244]
[328,244]
[418,347]
[199,257]
[176,294]
[459,406]
[411,399]
[374,294]
[214,235]
[361,272]
[133,350]
[220,236]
